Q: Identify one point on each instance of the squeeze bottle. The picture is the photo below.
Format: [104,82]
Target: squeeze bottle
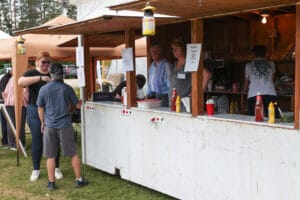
[271,112]
[178,102]
[173,100]
[259,109]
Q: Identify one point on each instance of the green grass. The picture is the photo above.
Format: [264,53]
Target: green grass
[15,184]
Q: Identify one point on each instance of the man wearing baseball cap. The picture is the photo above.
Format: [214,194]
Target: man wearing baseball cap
[54,101]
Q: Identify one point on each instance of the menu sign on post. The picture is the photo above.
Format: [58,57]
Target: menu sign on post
[80,65]
[80,77]
[79,57]
[192,57]
[127,59]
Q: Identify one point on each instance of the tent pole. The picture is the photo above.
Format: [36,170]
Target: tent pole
[12,127]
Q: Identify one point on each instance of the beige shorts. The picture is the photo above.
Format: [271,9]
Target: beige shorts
[53,137]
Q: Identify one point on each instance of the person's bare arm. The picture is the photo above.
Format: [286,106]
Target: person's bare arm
[206,78]
[78,106]
[41,116]
[246,84]
[29,80]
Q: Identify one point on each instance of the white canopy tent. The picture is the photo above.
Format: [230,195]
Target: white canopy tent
[4,35]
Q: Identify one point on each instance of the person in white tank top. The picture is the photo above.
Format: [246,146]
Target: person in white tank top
[259,79]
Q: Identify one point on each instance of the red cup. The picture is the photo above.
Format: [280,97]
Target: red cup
[210,108]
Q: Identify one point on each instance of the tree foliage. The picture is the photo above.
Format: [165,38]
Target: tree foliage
[22,14]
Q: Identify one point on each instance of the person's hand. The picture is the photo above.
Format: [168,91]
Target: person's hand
[42,127]
[80,102]
[45,78]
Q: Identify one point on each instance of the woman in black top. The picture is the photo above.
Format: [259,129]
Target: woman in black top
[34,79]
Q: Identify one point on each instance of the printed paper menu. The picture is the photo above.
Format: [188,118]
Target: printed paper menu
[192,57]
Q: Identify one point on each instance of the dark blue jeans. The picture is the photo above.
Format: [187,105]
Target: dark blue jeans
[4,139]
[34,124]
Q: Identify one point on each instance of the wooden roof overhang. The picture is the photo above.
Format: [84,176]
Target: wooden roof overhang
[101,40]
[103,31]
[204,8]
[106,24]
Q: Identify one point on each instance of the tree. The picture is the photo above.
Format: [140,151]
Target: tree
[5,16]
[22,14]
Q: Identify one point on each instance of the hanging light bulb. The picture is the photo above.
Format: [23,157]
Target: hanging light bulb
[264,18]
[148,20]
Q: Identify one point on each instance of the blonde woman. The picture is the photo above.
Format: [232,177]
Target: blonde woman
[179,79]
[34,79]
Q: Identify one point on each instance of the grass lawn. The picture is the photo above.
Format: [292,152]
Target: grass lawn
[15,184]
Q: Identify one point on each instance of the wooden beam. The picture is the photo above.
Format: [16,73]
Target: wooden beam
[93,74]
[19,66]
[197,77]
[130,75]
[85,42]
[297,68]
[148,43]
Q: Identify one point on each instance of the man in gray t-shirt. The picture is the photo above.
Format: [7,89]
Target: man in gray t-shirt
[54,101]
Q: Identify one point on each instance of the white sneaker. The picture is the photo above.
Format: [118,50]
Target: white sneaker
[13,149]
[35,175]
[58,174]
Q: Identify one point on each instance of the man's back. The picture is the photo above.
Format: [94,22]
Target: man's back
[56,97]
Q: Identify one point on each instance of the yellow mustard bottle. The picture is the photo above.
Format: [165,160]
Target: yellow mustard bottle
[178,102]
[271,113]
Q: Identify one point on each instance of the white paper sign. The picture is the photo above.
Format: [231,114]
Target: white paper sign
[99,71]
[192,57]
[79,56]
[127,59]
[80,77]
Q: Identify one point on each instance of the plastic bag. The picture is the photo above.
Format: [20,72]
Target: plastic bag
[223,104]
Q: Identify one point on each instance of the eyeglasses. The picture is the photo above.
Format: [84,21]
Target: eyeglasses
[46,62]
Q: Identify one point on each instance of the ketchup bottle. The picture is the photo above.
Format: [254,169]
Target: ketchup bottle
[173,99]
[259,109]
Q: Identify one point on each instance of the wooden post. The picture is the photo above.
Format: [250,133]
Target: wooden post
[87,66]
[297,68]
[130,75]
[197,77]
[148,42]
[19,66]
[93,74]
